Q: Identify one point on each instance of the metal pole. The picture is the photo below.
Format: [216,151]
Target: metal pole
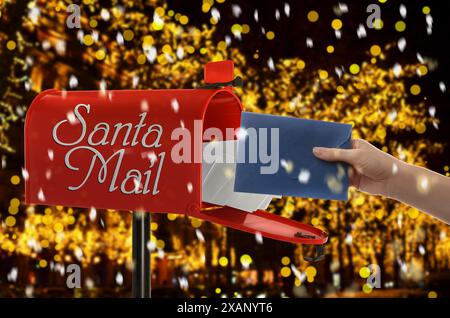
[141,255]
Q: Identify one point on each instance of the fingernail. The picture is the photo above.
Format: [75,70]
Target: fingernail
[317,150]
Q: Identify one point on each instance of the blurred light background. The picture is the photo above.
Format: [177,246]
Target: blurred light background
[309,59]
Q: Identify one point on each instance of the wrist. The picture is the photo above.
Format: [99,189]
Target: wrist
[400,173]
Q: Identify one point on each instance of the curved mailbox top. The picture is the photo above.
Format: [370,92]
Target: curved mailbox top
[138,150]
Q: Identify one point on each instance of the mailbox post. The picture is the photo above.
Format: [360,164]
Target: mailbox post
[141,255]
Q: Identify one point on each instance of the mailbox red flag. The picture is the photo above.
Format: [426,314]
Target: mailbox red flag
[115,149]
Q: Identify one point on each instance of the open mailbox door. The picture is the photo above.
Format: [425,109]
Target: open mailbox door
[140,150]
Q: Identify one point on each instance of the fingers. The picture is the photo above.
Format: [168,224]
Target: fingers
[361,144]
[335,154]
[357,143]
[354,177]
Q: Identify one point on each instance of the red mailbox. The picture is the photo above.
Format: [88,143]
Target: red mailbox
[115,149]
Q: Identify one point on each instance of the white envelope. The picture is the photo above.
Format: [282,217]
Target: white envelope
[218,173]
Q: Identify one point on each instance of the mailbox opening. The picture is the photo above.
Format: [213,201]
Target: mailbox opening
[222,114]
[223,111]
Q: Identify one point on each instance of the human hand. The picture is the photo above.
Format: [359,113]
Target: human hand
[372,170]
[376,172]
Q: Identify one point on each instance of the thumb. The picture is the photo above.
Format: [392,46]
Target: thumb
[336,154]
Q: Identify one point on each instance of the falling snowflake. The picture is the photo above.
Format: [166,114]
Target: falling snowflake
[432,111]
[348,239]
[236,10]
[361,31]
[420,58]
[151,54]
[25,174]
[422,250]
[429,20]
[174,104]
[102,85]
[104,14]
[92,214]
[119,278]
[287,9]
[241,133]
[304,176]
[119,38]
[199,235]
[41,196]
[259,238]
[73,81]
[48,174]
[80,36]
[397,69]
[422,184]
[60,47]
[287,165]
[215,14]
[29,291]
[190,187]
[144,105]
[151,245]
[71,117]
[401,44]
[135,81]
[402,11]
[337,9]
[50,154]
[12,275]
[299,275]
[95,35]
[78,252]
[34,14]
[89,283]
[180,53]
[271,64]
[46,45]
[228,40]
[338,71]
[392,115]
[394,168]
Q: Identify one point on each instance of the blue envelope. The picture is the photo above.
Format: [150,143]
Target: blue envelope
[275,157]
